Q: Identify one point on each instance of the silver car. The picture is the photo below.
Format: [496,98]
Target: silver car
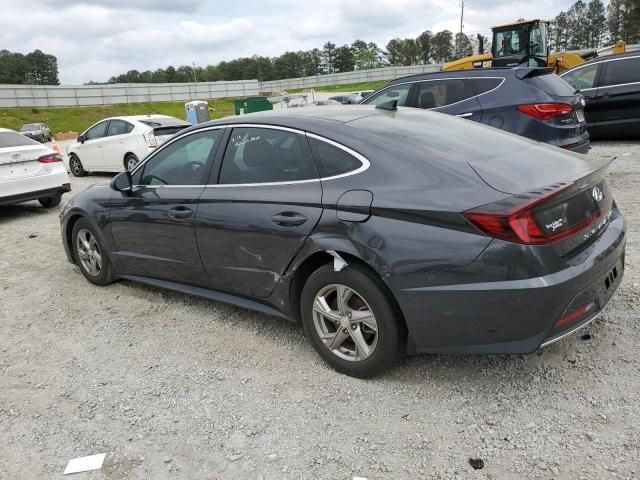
[36,131]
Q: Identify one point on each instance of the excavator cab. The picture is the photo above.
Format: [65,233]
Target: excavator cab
[520,43]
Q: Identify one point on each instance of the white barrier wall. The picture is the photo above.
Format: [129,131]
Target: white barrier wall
[63,96]
[386,73]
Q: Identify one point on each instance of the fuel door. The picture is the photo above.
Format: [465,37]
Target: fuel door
[354,206]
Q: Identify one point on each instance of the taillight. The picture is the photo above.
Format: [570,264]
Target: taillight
[150,139]
[50,158]
[545,111]
[513,219]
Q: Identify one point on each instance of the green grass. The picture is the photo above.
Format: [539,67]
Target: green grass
[77,119]
[347,87]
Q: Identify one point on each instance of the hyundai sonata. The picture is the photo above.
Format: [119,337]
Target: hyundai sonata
[381,230]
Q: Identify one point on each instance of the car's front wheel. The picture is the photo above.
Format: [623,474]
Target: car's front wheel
[351,321]
[91,256]
[75,165]
[52,201]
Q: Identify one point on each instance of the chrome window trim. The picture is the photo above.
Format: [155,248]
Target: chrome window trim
[503,79]
[364,162]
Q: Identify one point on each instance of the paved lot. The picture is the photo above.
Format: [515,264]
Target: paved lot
[170,386]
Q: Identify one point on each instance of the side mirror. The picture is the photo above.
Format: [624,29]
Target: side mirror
[80,139]
[122,182]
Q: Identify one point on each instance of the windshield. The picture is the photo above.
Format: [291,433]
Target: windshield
[514,40]
[30,127]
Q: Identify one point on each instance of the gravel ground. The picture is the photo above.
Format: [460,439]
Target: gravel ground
[171,386]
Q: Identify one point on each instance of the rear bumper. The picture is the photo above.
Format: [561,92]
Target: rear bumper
[25,197]
[578,144]
[512,316]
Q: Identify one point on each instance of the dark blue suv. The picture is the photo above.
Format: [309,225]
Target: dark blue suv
[531,102]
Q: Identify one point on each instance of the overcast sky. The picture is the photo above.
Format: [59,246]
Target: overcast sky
[96,39]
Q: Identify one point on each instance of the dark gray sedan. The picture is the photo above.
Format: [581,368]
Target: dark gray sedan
[382,231]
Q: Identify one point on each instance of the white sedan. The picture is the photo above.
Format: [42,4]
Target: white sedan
[118,143]
[30,171]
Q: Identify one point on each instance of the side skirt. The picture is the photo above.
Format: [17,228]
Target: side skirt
[226,298]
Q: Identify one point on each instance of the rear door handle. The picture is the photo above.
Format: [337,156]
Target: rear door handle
[465,115]
[288,219]
[180,212]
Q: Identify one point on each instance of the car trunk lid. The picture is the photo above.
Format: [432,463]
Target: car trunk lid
[568,214]
[22,161]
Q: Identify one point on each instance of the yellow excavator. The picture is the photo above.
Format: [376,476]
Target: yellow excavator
[526,42]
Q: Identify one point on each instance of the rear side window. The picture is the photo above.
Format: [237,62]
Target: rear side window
[14,139]
[264,155]
[119,127]
[332,160]
[396,92]
[617,72]
[483,85]
[582,78]
[440,93]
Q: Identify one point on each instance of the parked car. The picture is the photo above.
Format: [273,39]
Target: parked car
[37,131]
[530,102]
[347,98]
[381,232]
[364,94]
[118,143]
[322,103]
[30,171]
[611,88]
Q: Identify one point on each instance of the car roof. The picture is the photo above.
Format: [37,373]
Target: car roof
[476,72]
[605,58]
[136,117]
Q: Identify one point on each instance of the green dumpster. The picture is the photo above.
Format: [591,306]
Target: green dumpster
[252,104]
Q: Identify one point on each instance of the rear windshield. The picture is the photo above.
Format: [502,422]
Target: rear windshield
[14,139]
[30,127]
[162,122]
[551,84]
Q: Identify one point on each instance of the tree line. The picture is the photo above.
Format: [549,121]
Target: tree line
[592,25]
[360,55]
[35,68]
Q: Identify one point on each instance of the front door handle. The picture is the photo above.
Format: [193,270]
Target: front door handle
[180,212]
[288,219]
[464,115]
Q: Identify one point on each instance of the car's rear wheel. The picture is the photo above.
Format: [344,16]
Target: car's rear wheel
[131,161]
[351,321]
[52,201]
[75,165]
[91,256]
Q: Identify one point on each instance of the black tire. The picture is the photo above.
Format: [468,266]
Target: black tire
[75,165]
[130,162]
[391,336]
[52,201]
[105,275]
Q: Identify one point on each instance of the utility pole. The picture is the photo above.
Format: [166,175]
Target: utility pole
[195,78]
[459,52]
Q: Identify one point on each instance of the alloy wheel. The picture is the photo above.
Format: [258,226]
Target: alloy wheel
[345,323]
[89,252]
[75,165]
